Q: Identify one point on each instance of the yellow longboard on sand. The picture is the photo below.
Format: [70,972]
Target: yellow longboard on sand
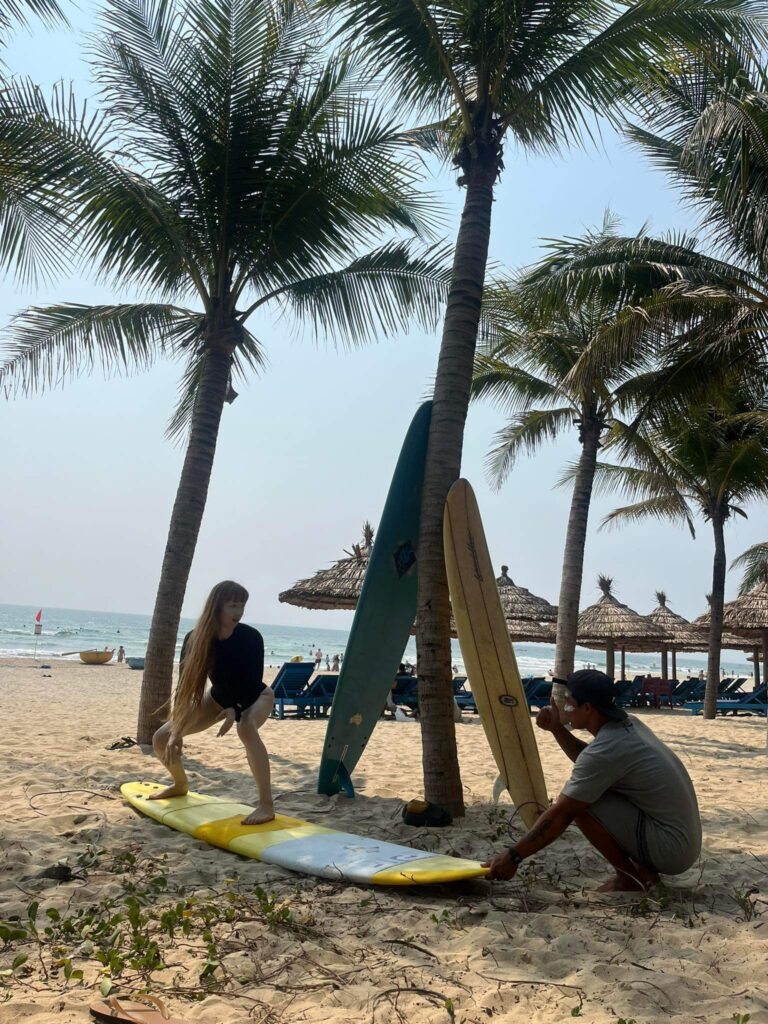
[299,845]
[488,655]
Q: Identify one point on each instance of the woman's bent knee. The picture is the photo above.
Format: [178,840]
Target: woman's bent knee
[160,739]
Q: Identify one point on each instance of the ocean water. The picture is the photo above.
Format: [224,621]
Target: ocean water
[69,629]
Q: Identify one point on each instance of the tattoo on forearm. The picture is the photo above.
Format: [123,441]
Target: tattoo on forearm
[539,829]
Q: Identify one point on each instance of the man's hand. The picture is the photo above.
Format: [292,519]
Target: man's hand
[229,721]
[173,750]
[548,718]
[502,867]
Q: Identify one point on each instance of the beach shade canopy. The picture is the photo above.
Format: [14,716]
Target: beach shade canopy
[337,587]
[748,614]
[528,631]
[728,638]
[520,604]
[683,635]
[610,624]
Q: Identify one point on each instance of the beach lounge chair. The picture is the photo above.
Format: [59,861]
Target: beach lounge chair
[318,696]
[406,691]
[538,693]
[691,689]
[755,703]
[462,695]
[289,683]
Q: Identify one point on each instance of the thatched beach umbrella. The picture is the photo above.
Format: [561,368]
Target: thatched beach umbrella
[529,618]
[337,587]
[684,636]
[729,640]
[520,604]
[611,624]
[748,615]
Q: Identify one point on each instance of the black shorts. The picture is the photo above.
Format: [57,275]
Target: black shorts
[239,701]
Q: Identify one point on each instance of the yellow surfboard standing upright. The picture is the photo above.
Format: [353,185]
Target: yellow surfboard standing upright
[488,655]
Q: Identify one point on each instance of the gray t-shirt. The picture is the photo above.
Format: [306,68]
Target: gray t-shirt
[630,760]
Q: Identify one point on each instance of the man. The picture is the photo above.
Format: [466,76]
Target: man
[628,793]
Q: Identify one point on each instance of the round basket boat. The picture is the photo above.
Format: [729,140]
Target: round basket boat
[96,657]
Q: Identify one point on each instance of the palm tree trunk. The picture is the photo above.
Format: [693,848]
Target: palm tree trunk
[573,555]
[182,538]
[442,779]
[716,618]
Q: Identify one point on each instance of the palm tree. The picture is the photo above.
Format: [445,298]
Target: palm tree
[706,462]
[490,73]
[707,126]
[528,372]
[232,168]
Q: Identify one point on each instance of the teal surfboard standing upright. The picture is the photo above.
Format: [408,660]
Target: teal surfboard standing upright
[383,620]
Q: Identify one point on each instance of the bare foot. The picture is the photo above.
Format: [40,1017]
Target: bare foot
[166,794]
[260,815]
[640,880]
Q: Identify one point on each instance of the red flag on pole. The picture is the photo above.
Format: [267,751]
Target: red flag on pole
[39,616]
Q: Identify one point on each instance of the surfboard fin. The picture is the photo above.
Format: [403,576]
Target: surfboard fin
[499,787]
[345,780]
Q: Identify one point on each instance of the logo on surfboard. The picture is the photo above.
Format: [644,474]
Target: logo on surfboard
[472,548]
[508,700]
[404,558]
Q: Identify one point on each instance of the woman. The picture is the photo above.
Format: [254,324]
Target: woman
[232,655]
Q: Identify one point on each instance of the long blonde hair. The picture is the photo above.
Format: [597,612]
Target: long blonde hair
[197,657]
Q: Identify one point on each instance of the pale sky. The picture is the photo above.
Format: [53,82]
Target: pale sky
[306,452]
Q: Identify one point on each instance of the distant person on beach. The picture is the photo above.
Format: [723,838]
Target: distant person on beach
[327,663]
[120,654]
[628,793]
[335,664]
[318,659]
[232,654]
[701,675]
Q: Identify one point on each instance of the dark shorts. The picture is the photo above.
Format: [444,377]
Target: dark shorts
[239,701]
[641,837]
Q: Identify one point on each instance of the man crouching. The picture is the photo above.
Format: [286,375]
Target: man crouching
[628,793]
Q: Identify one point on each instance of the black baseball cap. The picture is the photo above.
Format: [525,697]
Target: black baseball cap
[596,688]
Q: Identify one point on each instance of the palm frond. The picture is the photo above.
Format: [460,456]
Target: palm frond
[378,293]
[663,509]
[510,387]
[755,564]
[524,433]
[45,345]
[19,11]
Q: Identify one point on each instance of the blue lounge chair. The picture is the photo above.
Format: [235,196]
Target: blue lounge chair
[318,696]
[539,693]
[462,695]
[755,703]
[406,691]
[289,683]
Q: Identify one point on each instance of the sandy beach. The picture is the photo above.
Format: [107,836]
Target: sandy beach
[234,941]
